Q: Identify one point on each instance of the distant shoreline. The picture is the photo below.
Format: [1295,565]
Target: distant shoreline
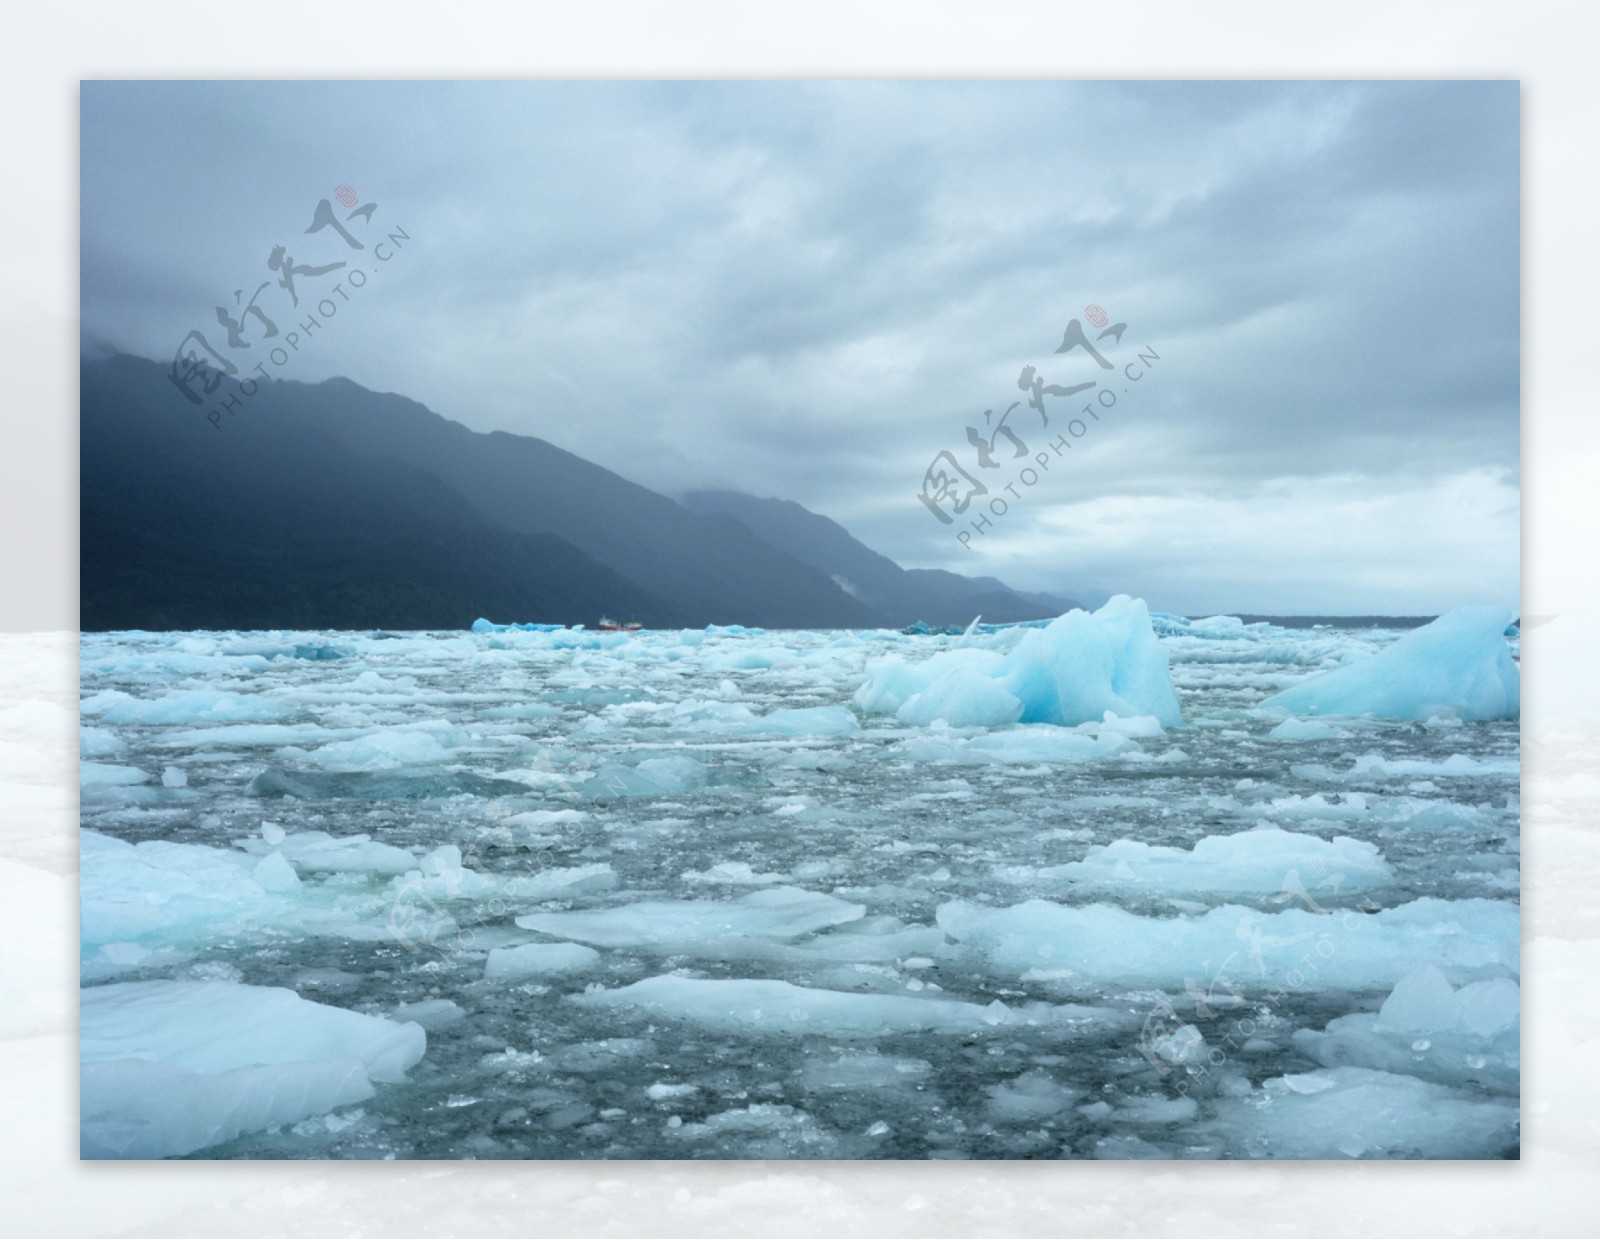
[1336,622]
[1288,622]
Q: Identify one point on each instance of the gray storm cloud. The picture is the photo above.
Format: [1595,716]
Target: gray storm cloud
[808,290]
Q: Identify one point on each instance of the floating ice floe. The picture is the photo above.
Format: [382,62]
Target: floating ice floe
[1267,860]
[1374,766]
[1428,1029]
[1459,665]
[442,875]
[865,1070]
[377,785]
[653,777]
[562,883]
[1364,1113]
[1021,745]
[139,900]
[317,852]
[96,742]
[869,941]
[1072,671]
[385,749]
[1296,949]
[758,1006]
[159,889]
[1224,628]
[1030,1097]
[1303,730]
[671,925]
[733,874]
[539,960]
[229,735]
[538,819]
[431,1014]
[736,719]
[109,775]
[185,706]
[173,1067]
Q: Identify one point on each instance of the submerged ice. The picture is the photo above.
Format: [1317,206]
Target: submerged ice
[1081,889]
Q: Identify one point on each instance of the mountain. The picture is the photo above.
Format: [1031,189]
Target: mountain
[185,527]
[903,595]
[330,505]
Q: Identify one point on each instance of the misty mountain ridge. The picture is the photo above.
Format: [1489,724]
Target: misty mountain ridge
[903,595]
[327,505]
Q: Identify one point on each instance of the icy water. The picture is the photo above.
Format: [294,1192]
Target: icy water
[777,926]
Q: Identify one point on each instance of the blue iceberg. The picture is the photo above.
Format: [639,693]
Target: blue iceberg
[1072,671]
[1460,666]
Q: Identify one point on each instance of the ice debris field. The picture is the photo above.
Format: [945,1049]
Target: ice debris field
[1119,886]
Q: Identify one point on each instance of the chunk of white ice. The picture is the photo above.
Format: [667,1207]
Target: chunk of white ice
[671,925]
[1303,730]
[1267,860]
[173,1067]
[1431,1030]
[759,1006]
[1095,944]
[1362,1113]
[313,852]
[539,959]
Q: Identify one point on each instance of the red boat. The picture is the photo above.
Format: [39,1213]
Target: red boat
[608,625]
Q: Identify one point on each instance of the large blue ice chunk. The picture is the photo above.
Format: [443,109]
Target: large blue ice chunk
[1083,665]
[1072,671]
[1459,666]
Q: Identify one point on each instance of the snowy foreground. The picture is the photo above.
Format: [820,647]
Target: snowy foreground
[1116,887]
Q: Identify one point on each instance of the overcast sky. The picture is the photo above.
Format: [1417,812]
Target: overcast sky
[809,290]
